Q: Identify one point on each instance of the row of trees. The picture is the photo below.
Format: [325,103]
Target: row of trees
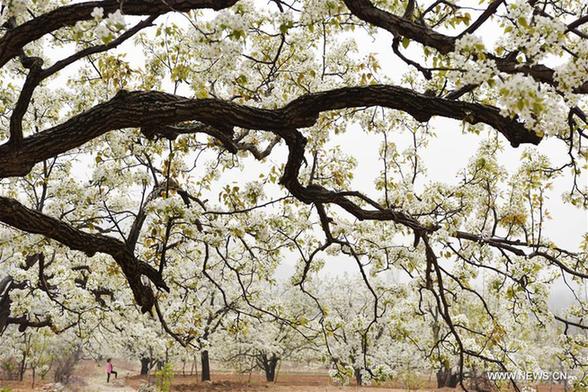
[357,336]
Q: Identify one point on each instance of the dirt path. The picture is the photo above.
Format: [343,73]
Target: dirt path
[89,376]
[94,379]
[97,383]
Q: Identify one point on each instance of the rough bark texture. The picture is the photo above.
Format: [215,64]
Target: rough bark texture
[5,285]
[152,109]
[397,25]
[159,114]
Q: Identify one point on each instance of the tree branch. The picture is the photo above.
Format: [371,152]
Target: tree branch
[482,18]
[398,26]
[152,109]
[15,39]
[18,216]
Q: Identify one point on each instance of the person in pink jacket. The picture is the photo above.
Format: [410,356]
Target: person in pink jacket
[109,370]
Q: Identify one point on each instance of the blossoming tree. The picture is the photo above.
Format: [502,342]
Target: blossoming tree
[150,146]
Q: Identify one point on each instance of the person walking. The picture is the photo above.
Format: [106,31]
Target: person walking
[109,370]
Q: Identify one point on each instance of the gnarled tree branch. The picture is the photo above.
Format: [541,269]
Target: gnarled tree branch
[18,216]
[15,39]
[152,109]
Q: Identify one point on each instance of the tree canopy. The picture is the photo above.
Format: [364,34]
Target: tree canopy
[159,161]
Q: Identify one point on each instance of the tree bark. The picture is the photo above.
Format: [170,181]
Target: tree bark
[446,378]
[358,377]
[23,363]
[152,110]
[145,366]
[269,367]
[205,365]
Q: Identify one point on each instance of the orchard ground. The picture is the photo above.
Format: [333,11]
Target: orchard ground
[89,377]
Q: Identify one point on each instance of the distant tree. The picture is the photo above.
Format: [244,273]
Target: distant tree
[264,341]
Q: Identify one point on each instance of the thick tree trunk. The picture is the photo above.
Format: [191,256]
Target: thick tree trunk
[145,366]
[441,376]
[205,365]
[447,379]
[358,377]
[270,368]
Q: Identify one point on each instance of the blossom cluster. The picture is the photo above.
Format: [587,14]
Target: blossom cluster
[574,72]
[534,35]
[539,107]
[106,27]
